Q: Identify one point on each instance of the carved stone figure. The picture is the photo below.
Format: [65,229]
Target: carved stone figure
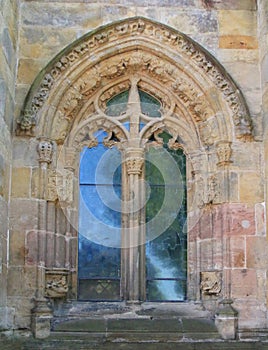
[56,284]
[210,282]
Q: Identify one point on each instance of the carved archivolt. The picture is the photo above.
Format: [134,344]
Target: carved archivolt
[142,42]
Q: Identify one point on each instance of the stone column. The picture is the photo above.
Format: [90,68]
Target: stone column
[41,313]
[134,232]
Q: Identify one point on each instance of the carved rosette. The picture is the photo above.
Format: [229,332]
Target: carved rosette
[45,151]
[56,283]
[134,166]
[224,153]
[211,282]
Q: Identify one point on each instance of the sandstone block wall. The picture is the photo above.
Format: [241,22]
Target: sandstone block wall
[8,64]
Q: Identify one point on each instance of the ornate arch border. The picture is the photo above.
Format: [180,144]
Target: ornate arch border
[161,52]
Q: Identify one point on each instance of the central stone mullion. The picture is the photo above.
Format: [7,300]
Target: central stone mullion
[133,233]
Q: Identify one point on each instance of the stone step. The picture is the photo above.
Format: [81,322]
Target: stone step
[79,343]
[146,329]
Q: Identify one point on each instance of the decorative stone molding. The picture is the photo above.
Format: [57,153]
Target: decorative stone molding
[224,153]
[60,186]
[56,283]
[210,282]
[207,189]
[45,151]
[144,32]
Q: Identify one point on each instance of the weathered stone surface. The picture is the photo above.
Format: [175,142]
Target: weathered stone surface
[190,22]
[17,248]
[260,219]
[57,15]
[23,214]
[244,282]
[28,70]
[237,23]
[232,55]
[238,252]
[256,252]
[250,193]
[25,153]
[238,42]
[21,178]
[245,74]
[241,220]
[249,160]
[40,43]
[249,5]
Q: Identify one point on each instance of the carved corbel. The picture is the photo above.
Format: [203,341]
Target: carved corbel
[26,124]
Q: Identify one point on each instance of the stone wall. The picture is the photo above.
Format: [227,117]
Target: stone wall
[8,64]
[231,30]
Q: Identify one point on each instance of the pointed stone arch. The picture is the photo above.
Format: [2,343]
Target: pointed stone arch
[200,91]
[202,107]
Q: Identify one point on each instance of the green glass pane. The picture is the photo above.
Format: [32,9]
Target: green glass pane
[150,106]
[166,254]
[117,105]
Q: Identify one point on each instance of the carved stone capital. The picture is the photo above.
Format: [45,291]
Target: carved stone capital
[224,152]
[45,151]
[134,166]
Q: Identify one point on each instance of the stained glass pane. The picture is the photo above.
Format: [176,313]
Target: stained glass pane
[99,224]
[150,106]
[166,290]
[117,104]
[99,289]
[166,252]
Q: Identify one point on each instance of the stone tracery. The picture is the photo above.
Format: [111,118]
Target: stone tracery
[200,64]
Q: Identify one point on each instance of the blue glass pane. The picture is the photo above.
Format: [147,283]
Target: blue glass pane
[142,124]
[99,224]
[99,205]
[97,260]
[99,165]
[127,125]
[166,290]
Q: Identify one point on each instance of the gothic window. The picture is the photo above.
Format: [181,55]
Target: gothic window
[132,221]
